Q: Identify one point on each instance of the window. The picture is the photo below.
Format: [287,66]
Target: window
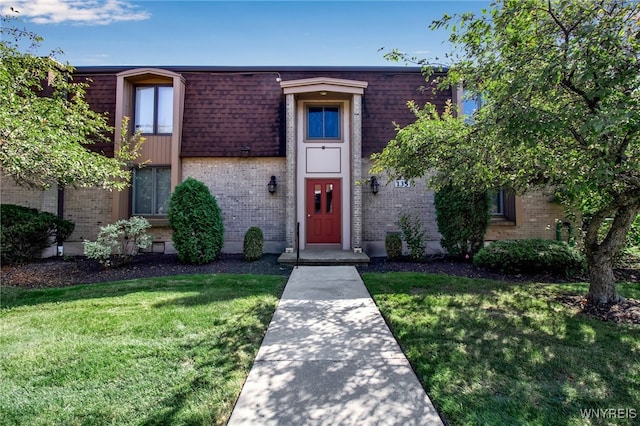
[497,203]
[323,122]
[503,205]
[151,191]
[154,109]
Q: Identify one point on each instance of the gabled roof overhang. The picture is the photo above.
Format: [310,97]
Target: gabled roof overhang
[323,84]
[143,73]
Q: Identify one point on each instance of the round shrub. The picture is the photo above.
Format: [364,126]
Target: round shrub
[26,232]
[196,220]
[253,244]
[531,256]
[463,217]
[393,245]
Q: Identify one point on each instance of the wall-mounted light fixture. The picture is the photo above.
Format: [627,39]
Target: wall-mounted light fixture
[375,186]
[245,150]
[271,186]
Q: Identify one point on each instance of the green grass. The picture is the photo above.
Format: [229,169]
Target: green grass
[172,350]
[496,353]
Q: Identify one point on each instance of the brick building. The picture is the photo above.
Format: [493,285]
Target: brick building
[312,129]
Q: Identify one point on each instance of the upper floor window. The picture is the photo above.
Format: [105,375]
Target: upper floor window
[154,109]
[323,122]
[151,191]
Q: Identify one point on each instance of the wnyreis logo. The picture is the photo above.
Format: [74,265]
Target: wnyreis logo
[608,413]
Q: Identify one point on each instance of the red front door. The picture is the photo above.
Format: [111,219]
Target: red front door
[323,211]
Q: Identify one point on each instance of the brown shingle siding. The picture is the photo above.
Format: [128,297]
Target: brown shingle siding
[101,96]
[226,110]
[226,113]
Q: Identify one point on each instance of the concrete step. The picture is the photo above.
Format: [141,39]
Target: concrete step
[324,257]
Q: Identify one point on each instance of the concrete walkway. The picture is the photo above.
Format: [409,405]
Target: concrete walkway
[328,358]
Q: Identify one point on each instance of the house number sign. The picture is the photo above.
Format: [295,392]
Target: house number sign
[402,183]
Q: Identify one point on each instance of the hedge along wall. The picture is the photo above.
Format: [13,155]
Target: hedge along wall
[87,208]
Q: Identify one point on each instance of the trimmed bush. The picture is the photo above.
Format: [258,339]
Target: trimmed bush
[118,243]
[26,232]
[253,244]
[393,245]
[196,220]
[531,256]
[463,217]
[411,228]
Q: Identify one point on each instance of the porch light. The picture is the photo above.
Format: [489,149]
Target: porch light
[272,185]
[374,185]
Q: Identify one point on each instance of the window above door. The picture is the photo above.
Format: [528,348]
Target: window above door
[323,123]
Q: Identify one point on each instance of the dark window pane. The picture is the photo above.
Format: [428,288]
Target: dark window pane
[329,198]
[142,190]
[497,203]
[314,123]
[163,191]
[331,123]
[317,194]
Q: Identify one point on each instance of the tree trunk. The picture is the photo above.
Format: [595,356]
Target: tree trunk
[601,255]
[602,283]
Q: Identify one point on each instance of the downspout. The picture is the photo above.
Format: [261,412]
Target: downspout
[59,240]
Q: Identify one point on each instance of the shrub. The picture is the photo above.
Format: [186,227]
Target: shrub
[531,256]
[463,217]
[393,245]
[196,220]
[411,228]
[253,244]
[119,242]
[26,232]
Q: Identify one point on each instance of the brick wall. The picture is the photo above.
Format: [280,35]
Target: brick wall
[381,212]
[87,208]
[240,188]
[12,193]
[536,215]
[536,218]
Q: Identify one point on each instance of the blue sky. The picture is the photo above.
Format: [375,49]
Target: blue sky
[237,33]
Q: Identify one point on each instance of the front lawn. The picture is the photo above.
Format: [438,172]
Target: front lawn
[173,350]
[491,352]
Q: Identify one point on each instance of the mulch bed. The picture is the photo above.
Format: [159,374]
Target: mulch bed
[61,272]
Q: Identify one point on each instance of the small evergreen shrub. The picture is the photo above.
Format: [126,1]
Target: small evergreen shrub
[26,232]
[413,233]
[393,245]
[253,244]
[196,220]
[118,243]
[463,217]
[531,256]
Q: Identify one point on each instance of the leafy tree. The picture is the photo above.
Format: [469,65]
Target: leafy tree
[560,85]
[46,124]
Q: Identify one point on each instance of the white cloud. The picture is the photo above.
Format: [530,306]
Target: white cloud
[86,12]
